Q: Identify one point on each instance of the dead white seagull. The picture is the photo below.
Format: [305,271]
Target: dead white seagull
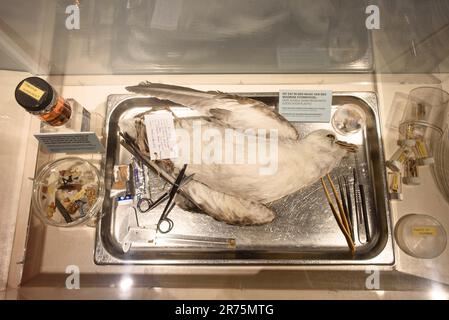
[238,192]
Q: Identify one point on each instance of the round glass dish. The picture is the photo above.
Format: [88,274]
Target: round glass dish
[348,119]
[420,236]
[67,192]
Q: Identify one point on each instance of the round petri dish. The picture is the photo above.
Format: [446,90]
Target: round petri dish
[67,192]
[420,236]
[348,119]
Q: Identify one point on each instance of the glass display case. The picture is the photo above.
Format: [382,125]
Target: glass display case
[366,58]
[147,37]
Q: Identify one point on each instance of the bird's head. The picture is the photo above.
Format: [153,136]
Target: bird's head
[328,139]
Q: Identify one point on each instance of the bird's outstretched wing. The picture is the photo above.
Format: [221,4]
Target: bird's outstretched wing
[229,110]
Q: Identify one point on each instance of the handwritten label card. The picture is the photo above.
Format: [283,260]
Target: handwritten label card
[161,136]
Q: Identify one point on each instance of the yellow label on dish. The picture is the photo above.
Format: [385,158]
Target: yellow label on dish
[424,231]
[31,90]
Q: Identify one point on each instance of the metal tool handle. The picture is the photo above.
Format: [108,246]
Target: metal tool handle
[365,213]
[146,201]
[349,206]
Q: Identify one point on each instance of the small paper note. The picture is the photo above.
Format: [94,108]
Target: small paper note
[161,136]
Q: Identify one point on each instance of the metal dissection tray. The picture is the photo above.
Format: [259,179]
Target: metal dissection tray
[304,231]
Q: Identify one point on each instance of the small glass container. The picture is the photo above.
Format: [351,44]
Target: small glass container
[68,192]
[427,106]
[422,153]
[406,142]
[425,113]
[395,185]
[411,174]
[420,236]
[397,160]
[39,98]
[348,119]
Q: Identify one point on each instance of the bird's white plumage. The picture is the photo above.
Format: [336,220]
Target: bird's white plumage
[236,193]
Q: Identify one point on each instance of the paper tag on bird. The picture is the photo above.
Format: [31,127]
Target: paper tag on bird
[161,136]
[306,105]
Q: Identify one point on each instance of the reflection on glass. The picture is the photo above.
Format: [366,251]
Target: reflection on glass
[126,283]
[214,36]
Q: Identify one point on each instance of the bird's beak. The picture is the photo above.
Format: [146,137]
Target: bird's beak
[349,147]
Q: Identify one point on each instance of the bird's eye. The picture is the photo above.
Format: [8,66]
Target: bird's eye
[331,136]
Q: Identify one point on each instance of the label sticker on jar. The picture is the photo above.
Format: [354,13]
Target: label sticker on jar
[424,231]
[31,90]
[306,105]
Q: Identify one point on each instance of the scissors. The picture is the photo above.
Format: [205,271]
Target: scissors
[165,224]
[145,205]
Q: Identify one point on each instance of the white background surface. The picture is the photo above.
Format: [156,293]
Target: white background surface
[14,128]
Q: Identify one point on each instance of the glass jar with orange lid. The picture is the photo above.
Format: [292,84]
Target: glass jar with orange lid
[39,98]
